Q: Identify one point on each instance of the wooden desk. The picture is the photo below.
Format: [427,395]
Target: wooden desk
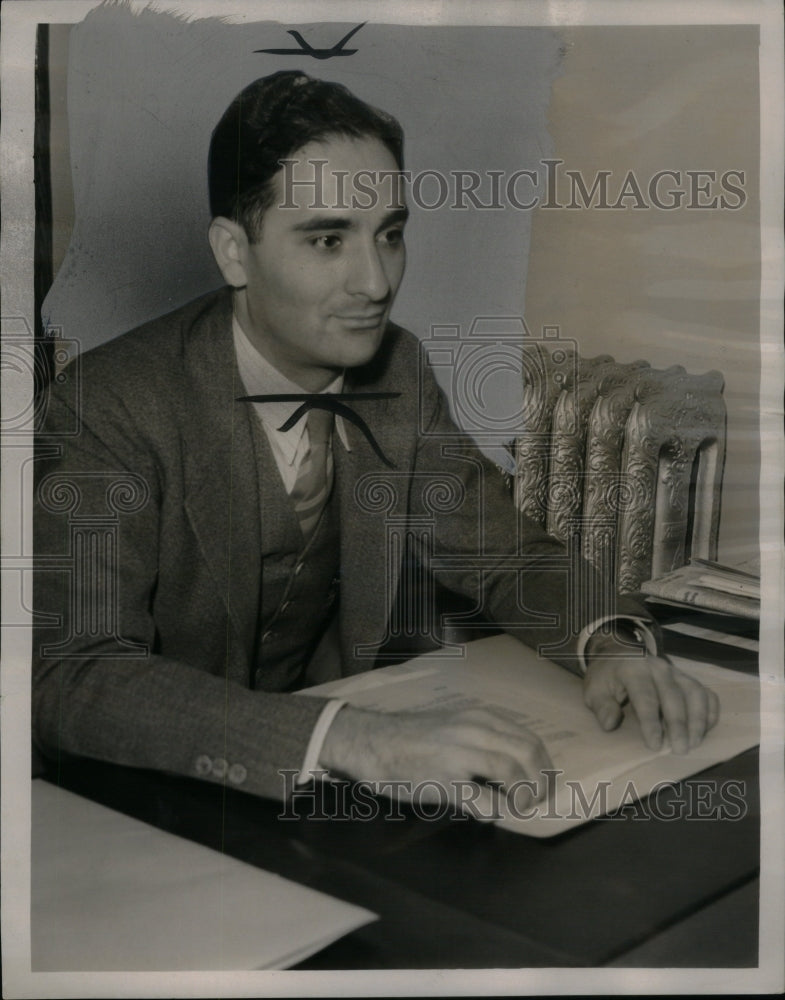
[463,894]
[637,889]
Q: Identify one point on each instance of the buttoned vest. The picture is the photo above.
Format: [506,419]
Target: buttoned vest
[299,588]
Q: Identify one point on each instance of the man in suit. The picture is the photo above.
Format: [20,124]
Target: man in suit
[205,547]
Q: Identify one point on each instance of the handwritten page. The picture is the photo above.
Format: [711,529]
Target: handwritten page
[112,893]
[599,771]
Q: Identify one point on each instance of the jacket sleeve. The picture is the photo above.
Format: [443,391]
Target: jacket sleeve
[101,687]
[517,574]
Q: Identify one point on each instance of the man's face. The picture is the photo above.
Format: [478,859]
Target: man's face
[320,282]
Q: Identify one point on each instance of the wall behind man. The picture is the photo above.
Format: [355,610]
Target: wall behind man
[144,91]
[671,286]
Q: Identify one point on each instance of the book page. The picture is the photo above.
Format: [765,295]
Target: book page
[595,771]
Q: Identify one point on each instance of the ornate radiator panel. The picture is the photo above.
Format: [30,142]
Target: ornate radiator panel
[568,477]
[632,455]
[609,490]
[545,372]
[673,427]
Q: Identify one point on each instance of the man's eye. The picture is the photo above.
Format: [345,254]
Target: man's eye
[327,242]
[392,237]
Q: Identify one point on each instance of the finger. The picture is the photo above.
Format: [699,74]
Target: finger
[673,705]
[702,707]
[714,709]
[491,768]
[608,712]
[520,801]
[605,705]
[645,699]
[510,770]
[489,802]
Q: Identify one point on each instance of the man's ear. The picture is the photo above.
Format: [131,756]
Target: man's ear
[229,245]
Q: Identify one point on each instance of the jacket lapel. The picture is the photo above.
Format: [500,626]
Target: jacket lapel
[371,497]
[221,486]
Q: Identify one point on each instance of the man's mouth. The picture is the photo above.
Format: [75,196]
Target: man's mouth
[363,321]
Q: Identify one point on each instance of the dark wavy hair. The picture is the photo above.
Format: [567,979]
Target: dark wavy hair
[269,121]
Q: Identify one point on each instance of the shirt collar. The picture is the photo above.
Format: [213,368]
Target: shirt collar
[261,378]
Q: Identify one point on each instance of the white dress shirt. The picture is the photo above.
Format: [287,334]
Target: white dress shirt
[259,377]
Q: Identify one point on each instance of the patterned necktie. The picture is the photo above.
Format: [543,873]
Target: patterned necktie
[314,478]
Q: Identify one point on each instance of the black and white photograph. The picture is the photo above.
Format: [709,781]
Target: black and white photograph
[393,572]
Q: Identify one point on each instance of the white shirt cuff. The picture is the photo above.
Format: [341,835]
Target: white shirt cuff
[314,749]
[639,627]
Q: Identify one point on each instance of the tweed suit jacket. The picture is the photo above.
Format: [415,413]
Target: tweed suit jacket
[164,679]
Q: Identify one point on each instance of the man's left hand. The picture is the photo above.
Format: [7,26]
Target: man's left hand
[666,700]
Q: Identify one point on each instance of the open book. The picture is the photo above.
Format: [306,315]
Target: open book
[594,772]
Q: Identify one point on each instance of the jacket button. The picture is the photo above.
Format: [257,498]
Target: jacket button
[298,568]
[203,765]
[285,605]
[220,767]
[237,774]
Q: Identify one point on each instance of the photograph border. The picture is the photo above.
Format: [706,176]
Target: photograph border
[20,18]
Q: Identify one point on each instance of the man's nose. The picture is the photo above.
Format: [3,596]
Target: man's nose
[368,275]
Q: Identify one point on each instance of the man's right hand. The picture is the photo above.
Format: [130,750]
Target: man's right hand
[445,749]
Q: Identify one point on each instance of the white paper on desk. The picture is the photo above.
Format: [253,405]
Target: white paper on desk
[500,671]
[112,893]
